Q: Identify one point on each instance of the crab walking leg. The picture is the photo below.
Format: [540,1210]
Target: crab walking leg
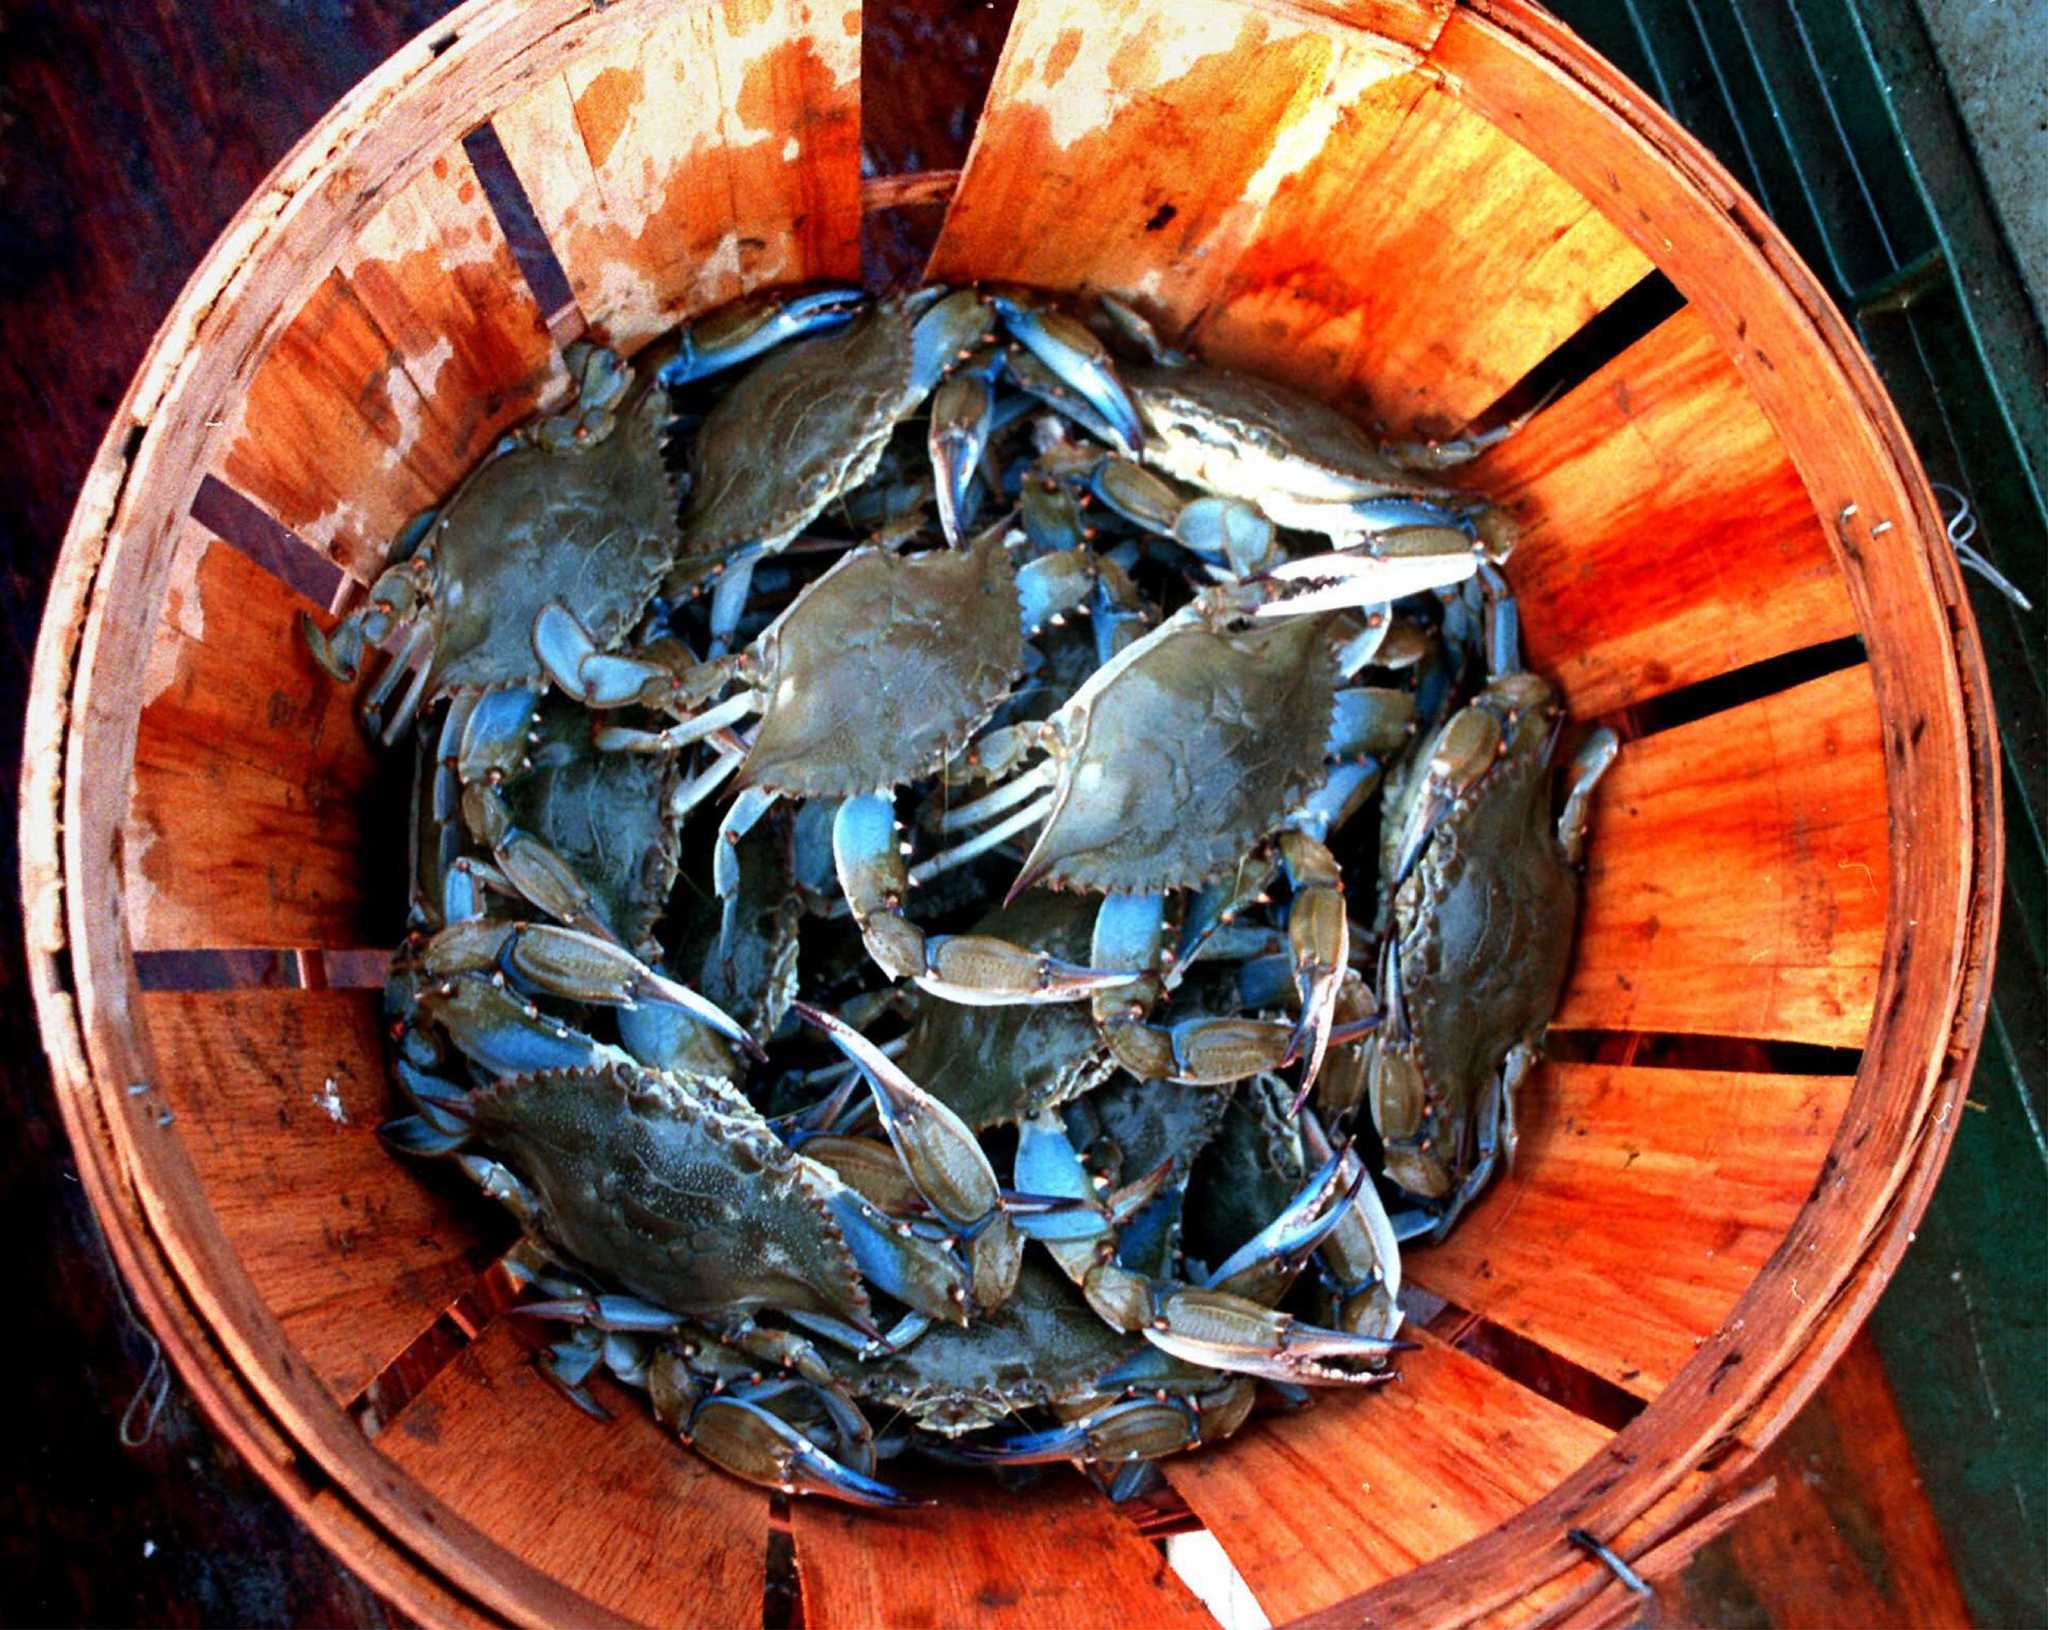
[577,967]
[741,816]
[976,969]
[1594,758]
[729,600]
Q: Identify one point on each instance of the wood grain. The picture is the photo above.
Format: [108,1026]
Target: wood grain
[1361,1487]
[254,820]
[276,1096]
[1665,536]
[1001,1559]
[715,153]
[617,1509]
[434,272]
[323,438]
[1736,874]
[1642,1205]
[1318,244]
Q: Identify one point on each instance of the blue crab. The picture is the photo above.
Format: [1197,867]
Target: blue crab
[1482,918]
[1163,770]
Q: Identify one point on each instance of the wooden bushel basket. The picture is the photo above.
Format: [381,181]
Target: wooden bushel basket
[1407,203]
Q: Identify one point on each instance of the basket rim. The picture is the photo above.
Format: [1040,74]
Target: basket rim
[417,1551]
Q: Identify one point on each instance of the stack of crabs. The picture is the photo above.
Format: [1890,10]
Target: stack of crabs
[742,683]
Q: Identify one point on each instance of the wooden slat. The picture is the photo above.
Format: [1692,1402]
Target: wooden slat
[1666,537]
[435,274]
[1053,1553]
[251,822]
[1642,1205]
[717,152]
[1736,874]
[1361,233]
[323,436]
[1361,1487]
[391,382]
[275,1096]
[616,1510]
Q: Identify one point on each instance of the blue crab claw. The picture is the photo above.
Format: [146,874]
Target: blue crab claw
[743,330]
[963,414]
[1463,751]
[506,1034]
[925,1275]
[1282,1248]
[751,1443]
[576,966]
[1226,1332]
[1342,580]
[1081,361]
[893,1340]
[1135,1429]
[339,653]
[938,1150]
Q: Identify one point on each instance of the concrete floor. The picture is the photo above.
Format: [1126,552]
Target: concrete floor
[1995,53]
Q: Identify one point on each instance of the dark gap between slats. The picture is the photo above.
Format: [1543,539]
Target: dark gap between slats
[1530,1364]
[528,239]
[1752,683]
[205,969]
[216,970]
[1745,1054]
[782,1585]
[238,522]
[896,241]
[1635,316]
[395,1386]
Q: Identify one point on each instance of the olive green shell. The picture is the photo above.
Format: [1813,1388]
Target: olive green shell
[806,423]
[590,524]
[662,1186]
[603,813]
[1189,756]
[883,669]
[1043,1344]
[1484,922]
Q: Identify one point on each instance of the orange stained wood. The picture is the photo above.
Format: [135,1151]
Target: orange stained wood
[715,153]
[275,1096]
[1643,1203]
[251,821]
[1736,873]
[1361,233]
[434,272]
[1053,1552]
[325,436]
[1665,536]
[618,1510]
[1362,1486]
